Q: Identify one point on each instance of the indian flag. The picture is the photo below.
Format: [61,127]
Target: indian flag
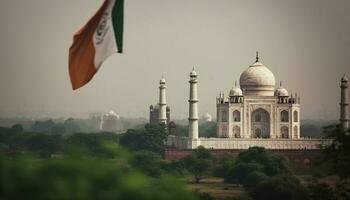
[98,39]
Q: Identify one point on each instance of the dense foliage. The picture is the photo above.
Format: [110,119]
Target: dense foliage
[284,187]
[258,161]
[199,163]
[150,138]
[85,166]
[338,153]
[206,129]
[82,178]
[51,165]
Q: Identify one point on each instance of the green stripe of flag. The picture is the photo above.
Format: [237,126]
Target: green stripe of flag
[118,23]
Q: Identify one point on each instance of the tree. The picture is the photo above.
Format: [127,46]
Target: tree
[223,164]
[202,153]
[198,167]
[207,129]
[321,191]
[58,129]
[81,178]
[181,131]
[151,138]
[18,128]
[148,162]
[71,126]
[45,144]
[255,159]
[43,126]
[199,163]
[93,144]
[254,178]
[337,153]
[279,187]
[240,171]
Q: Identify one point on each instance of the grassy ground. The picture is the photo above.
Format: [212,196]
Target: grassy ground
[217,188]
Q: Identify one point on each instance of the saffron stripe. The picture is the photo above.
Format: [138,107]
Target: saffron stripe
[82,52]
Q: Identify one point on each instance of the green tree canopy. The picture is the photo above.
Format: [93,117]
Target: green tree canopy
[337,154]
[255,159]
[83,179]
[151,138]
[199,163]
[279,187]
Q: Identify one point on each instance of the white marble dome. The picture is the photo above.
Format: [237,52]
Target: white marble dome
[257,80]
[193,72]
[344,78]
[207,117]
[112,114]
[236,91]
[162,80]
[281,92]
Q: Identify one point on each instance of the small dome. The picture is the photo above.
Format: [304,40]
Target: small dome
[236,91]
[344,78]
[112,114]
[193,73]
[207,117]
[162,80]
[281,92]
[257,80]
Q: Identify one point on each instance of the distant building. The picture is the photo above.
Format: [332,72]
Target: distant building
[255,113]
[207,117]
[344,103]
[172,128]
[256,109]
[110,122]
[154,114]
[95,120]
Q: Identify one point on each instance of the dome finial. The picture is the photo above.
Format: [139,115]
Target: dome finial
[235,83]
[344,78]
[280,83]
[162,80]
[257,56]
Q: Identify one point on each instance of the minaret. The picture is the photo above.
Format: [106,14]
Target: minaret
[193,107]
[162,101]
[344,109]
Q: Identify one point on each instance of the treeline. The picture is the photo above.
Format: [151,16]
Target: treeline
[206,129]
[36,165]
[87,166]
[70,125]
[15,141]
[309,128]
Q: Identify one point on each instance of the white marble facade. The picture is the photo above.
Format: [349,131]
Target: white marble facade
[257,109]
[255,113]
[243,143]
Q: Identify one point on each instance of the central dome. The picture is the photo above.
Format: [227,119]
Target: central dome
[257,80]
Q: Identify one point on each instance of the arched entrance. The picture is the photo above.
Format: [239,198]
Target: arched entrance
[260,124]
[236,132]
[284,132]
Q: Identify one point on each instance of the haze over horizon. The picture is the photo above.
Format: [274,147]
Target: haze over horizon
[306,44]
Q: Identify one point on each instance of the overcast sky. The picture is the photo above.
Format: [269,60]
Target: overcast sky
[305,43]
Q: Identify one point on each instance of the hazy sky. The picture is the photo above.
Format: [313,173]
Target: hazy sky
[305,43]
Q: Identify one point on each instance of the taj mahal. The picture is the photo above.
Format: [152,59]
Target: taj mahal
[256,109]
[255,113]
